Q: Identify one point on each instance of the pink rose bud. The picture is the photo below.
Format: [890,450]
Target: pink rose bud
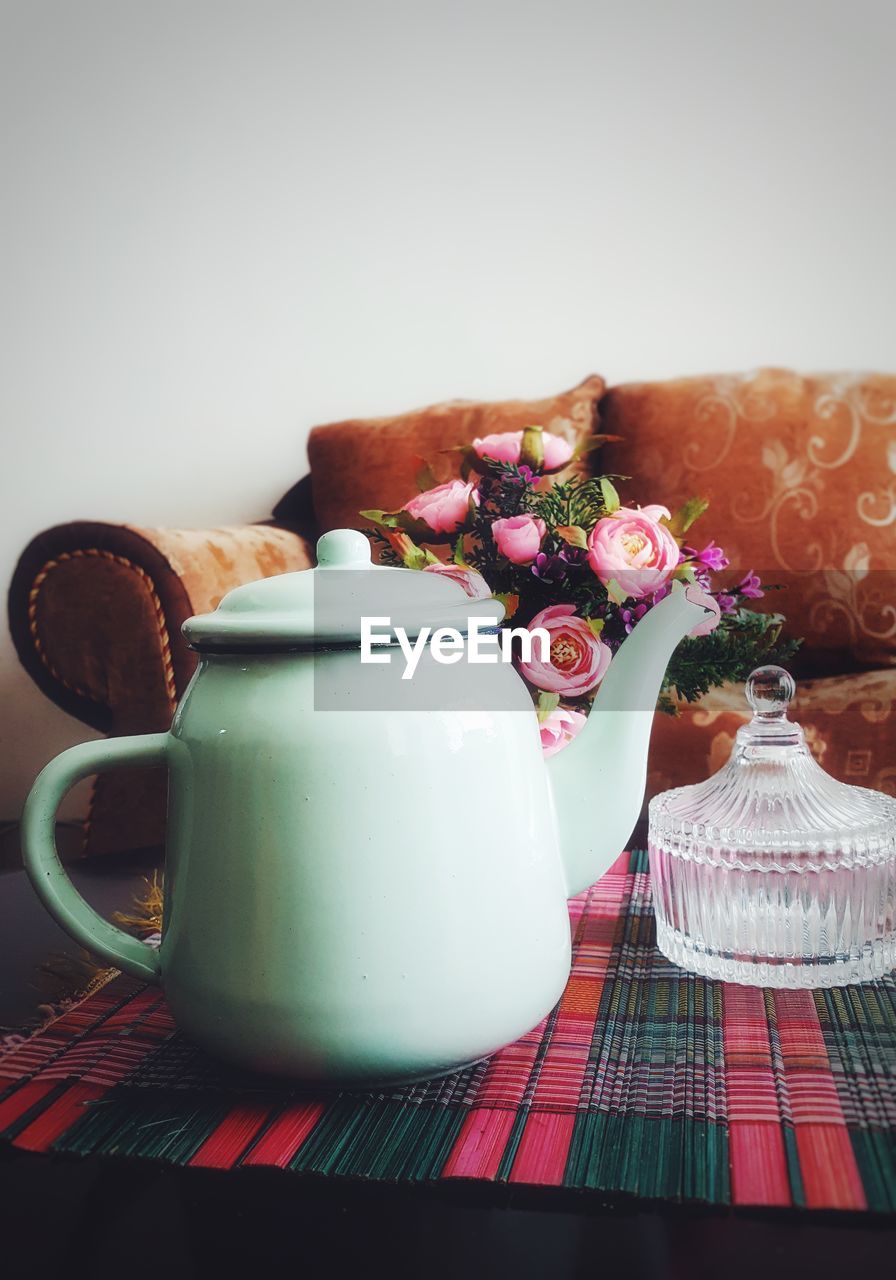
[559,729]
[578,659]
[632,547]
[518,538]
[443,509]
[472,582]
[505,446]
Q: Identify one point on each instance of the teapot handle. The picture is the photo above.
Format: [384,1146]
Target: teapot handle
[46,872]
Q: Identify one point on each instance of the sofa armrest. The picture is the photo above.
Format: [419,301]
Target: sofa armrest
[87,599]
[95,612]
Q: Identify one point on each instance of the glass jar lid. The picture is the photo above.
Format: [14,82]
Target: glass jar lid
[773,797]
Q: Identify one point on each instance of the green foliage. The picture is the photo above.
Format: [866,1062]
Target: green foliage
[610,496]
[692,510]
[532,448]
[742,641]
[545,703]
[384,551]
[574,502]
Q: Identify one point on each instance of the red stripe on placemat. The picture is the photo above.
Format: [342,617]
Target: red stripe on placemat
[71,1041]
[223,1148]
[59,1116]
[544,1144]
[484,1135]
[282,1140]
[480,1144]
[756,1144]
[827,1163]
[831,1178]
[544,1148]
[23,1099]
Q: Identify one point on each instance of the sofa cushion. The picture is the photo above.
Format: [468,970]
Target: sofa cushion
[801,477]
[373,462]
[849,722]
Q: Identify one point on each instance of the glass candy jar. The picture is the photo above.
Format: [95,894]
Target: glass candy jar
[772,873]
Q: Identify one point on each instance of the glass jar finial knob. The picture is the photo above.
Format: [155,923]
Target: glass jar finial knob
[770,690]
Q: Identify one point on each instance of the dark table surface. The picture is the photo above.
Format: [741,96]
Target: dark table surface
[70,1217]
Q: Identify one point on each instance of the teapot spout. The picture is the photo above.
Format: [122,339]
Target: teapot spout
[598,780]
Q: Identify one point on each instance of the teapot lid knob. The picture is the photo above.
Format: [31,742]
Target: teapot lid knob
[343,549]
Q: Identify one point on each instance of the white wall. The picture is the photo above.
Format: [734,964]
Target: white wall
[224,222]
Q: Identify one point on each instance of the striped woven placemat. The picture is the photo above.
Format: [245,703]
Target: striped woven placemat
[643,1080]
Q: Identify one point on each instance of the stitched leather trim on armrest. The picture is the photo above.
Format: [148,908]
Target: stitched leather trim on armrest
[81,541]
[164,636]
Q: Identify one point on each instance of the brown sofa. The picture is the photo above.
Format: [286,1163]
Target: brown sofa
[801,477]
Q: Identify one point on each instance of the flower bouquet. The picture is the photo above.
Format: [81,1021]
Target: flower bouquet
[567,556]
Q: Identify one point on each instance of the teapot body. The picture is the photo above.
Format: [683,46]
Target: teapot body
[357,895]
[364,879]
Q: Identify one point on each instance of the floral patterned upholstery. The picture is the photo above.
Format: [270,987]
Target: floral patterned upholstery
[801,477]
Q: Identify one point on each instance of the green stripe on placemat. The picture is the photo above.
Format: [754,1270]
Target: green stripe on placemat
[150,1126]
[385,1141]
[859,1028]
[876,1158]
[659,1151]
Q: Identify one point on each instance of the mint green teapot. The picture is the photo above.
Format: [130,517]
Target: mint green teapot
[367,875]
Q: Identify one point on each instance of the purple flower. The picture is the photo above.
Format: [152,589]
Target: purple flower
[575,557]
[713,557]
[727,603]
[750,586]
[550,568]
[631,616]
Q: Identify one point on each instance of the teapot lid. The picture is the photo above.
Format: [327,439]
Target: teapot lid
[322,607]
[772,795]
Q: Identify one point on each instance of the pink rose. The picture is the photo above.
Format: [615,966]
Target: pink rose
[559,729]
[505,446]
[578,659]
[443,509]
[518,538]
[635,549]
[472,582]
[714,611]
